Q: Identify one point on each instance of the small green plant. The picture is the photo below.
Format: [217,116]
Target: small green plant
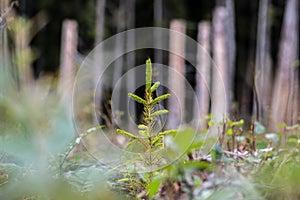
[148,138]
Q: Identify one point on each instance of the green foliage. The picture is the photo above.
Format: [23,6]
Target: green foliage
[137,98]
[148,74]
[273,137]
[160,98]
[261,145]
[155,86]
[154,185]
[127,134]
[217,153]
[231,124]
[35,142]
[33,126]
[75,143]
[147,136]
[279,178]
[259,128]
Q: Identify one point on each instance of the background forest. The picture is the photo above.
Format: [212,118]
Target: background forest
[256,34]
[254,149]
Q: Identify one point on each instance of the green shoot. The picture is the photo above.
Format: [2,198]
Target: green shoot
[147,136]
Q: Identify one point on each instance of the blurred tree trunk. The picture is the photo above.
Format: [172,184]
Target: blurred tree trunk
[284,93]
[68,53]
[247,63]
[203,72]
[100,25]
[158,54]
[120,21]
[220,80]
[100,14]
[294,107]
[262,76]
[21,28]
[158,16]
[6,73]
[67,62]
[130,59]
[231,49]
[177,63]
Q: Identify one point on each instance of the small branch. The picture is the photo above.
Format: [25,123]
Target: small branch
[234,154]
[253,136]
[221,138]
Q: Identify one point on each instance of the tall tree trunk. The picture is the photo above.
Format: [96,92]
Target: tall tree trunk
[118,65]
[262,76]
[286,75]
[231,49]
[68,53]
[158,16]
[130,59]
[177,63]
[6,75]
[246,69]
[203,73]
[220,82]
[67,62]
[294,107]
[100,25]
[100,14]
[23,55]
[120,41]
[158,54]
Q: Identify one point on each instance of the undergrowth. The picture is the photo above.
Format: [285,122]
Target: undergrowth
[40,161]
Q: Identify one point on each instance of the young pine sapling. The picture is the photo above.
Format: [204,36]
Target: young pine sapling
[147,136]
